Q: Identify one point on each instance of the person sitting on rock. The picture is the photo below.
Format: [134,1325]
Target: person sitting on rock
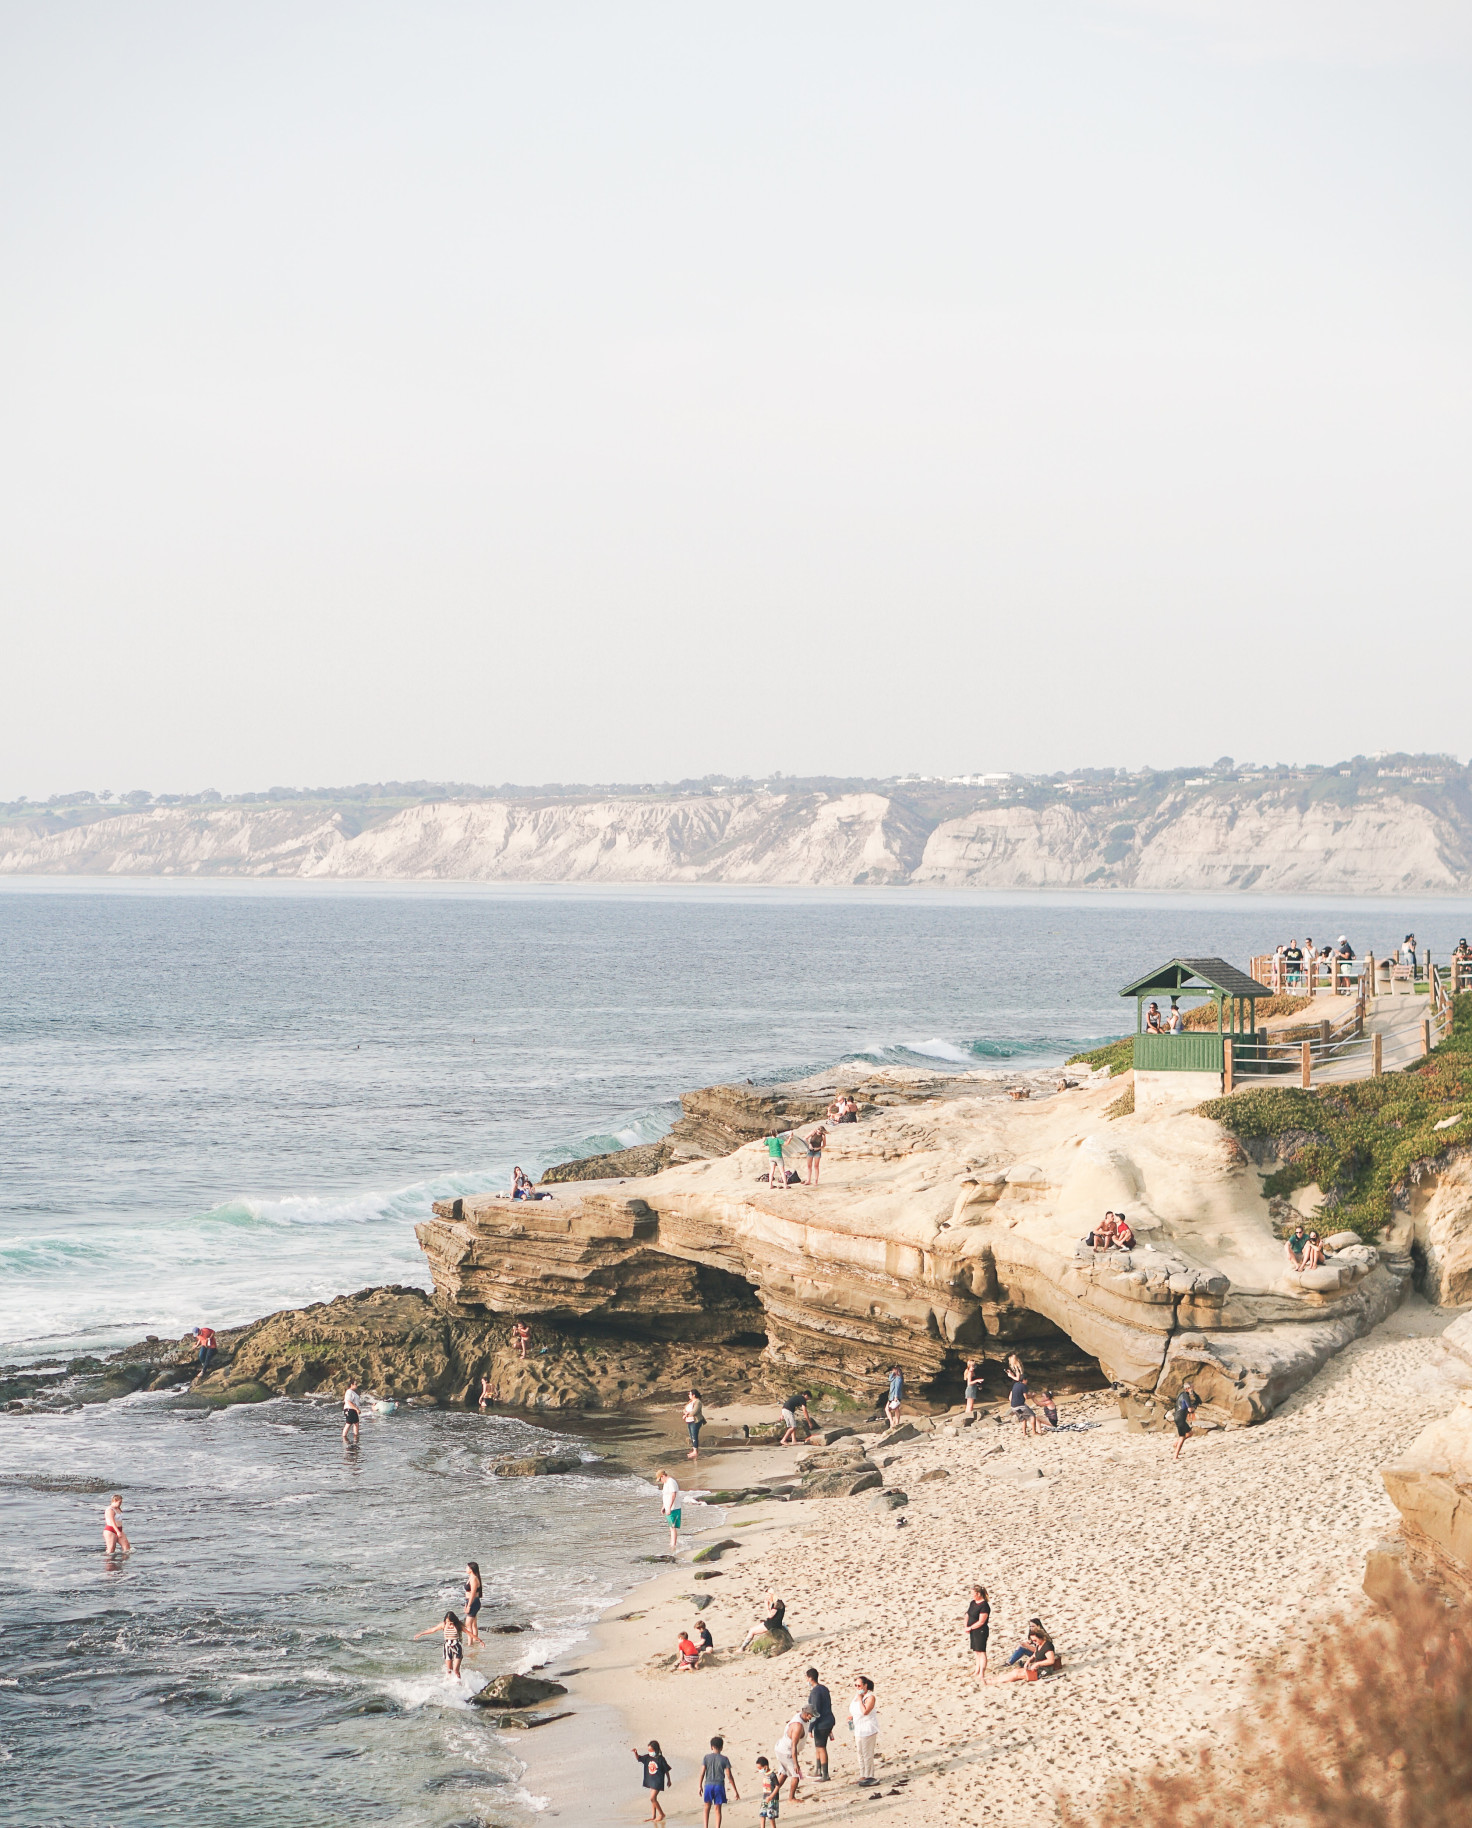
[1124,1237]
[689,1652]
[771,1624]
[1313,1252]
[1295,1244]
[521,1186]
[1153,1023]
[1104,1233]
[850,1110]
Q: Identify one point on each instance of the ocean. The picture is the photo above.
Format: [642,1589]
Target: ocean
[217,1099]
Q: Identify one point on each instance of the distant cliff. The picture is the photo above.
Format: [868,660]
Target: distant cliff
[1326,836]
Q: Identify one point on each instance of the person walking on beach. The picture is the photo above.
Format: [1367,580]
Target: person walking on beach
[978,1628]
[474,1594]
[715,1774]
[973,1385]
[896,1394]
[114,1536]
[817,1141]
[669,1494]
[776,1166]
[453,1630]
[1187,1403]
[656,1776]
[1017,1401]
[694,1422]
[772,1783]
[820,1706]
[863,1720]
[204,1338]
[352,1406]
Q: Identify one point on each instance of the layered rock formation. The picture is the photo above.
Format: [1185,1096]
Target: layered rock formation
[1431,1487]
[941,1231]
[1209,836]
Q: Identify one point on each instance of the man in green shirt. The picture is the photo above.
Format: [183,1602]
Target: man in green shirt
[776,1166]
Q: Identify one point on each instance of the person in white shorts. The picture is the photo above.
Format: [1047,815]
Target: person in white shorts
[786,1750]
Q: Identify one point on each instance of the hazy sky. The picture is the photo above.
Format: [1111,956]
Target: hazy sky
[623,391]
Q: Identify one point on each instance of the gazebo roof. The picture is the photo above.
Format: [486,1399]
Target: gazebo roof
[1212,973]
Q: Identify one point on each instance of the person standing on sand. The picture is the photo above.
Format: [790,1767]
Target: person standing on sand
[1187,1403]
[795,1405]
[820,1706]
[715,1774]
[973,1385]
[474,1594]
[669,1493]
[694,1422]
[114,1537]
[352,1406]
[1017,1401]
[656,1769]
[978,1627]
[817,1141]
[772,1784]
[788,1748]
[863,1720]
[896,1394]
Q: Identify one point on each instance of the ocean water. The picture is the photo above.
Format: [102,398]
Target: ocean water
[219,1099]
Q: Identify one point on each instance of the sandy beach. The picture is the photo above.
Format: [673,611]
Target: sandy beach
[1160,1582]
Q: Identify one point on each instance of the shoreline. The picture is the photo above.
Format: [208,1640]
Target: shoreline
[1163,1584]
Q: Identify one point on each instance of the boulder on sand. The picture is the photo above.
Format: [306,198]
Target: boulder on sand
[516,1691]
[535,1466]
[771,1643]
[844,1483]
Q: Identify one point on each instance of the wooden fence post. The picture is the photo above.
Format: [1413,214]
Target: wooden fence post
[1425,1034]
[1334,974]
[1367,974]
[1307,1068]
[1376,1061]
[1323,1034]
[1227,1067]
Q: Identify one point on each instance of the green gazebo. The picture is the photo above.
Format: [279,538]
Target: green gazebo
[1197,1050]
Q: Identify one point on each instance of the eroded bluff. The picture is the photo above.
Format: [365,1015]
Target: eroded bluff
[942,1230]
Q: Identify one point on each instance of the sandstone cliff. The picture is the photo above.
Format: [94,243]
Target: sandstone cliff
[1329,838]
[940,1231]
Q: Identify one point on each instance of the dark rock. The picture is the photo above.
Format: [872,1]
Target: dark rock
[536,1466]
[715,1550]
[888,1501]
[906,1431]
[521,1722]
[771,1643]
[517,1691]
[842,1484]
[936,1472]
[506,1631]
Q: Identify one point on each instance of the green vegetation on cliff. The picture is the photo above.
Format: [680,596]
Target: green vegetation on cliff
[1365,1142]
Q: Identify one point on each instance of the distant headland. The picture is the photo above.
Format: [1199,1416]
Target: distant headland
[1378,825]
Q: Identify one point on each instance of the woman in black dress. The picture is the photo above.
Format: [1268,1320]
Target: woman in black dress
[978,1626]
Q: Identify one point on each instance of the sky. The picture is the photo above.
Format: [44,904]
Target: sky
[620,392]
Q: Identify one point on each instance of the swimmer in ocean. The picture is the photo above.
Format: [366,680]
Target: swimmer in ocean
[114,1537]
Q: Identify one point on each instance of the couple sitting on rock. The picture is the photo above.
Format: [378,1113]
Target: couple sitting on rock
[522,1188]
[1113,1233]
[1305,1249]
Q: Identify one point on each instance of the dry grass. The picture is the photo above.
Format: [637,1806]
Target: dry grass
[1204,1014]
[1357,1725]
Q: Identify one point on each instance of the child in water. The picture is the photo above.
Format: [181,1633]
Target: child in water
[453,1630]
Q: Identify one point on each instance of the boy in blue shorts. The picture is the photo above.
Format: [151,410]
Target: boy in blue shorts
[715,1774]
